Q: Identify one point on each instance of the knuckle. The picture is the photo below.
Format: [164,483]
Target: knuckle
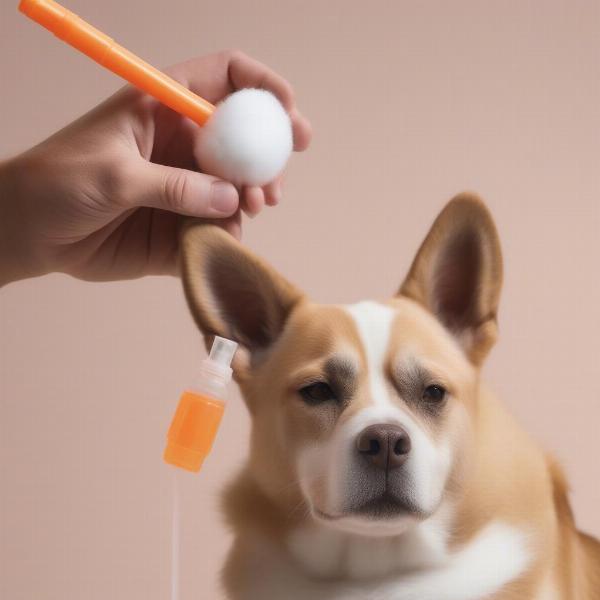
[289,90]
[113,180]
[174,191]
[235,55]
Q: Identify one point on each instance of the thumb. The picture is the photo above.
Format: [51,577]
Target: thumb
[181,191]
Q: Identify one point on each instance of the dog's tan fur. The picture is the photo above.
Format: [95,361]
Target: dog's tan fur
[498,471]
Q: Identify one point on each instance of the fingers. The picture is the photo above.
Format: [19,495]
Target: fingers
[302,130]
[195,194]
[181,191]
[244,72]
[214,77]
[273,192]
[253,200]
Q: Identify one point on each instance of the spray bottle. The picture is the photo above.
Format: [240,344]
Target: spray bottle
[198,415]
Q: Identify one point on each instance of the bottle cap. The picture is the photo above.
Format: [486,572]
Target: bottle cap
[220,357]
[222,351]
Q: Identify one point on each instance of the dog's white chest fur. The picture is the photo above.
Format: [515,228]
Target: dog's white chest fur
[496,556]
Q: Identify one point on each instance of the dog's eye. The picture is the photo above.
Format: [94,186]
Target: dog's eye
[316,393]
[434,393]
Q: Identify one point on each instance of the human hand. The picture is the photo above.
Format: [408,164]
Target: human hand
[103,198]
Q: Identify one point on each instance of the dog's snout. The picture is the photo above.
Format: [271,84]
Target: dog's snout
[385,446]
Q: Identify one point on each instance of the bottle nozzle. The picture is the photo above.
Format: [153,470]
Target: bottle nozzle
[222,351]
[221,355]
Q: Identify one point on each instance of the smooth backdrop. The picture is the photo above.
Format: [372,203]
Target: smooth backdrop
[411,102]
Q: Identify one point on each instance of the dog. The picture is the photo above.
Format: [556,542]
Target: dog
[380,465]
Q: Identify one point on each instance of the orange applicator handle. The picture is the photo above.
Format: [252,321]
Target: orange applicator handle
[73,30]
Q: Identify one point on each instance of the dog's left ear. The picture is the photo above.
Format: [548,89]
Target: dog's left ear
[457,274]
[233,293]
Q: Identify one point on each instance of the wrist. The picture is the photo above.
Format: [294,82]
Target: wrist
[15,263]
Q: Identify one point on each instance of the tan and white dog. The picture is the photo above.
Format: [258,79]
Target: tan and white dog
[380,467]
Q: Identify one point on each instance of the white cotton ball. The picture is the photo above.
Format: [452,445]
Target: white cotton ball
[247,140]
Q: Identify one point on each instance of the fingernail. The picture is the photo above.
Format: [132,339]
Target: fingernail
[223,197]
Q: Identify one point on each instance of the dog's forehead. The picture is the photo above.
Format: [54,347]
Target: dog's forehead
[372,332]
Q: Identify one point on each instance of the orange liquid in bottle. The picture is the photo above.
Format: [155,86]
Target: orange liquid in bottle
[193,430]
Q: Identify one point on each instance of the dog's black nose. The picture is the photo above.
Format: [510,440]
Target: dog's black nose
[385,446]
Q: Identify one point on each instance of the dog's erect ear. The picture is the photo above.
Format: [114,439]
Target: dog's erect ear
[233,293]
[457,274]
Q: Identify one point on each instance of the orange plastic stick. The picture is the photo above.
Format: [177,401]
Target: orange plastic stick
[73,30]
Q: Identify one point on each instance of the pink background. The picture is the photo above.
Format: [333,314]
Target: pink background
[410,102]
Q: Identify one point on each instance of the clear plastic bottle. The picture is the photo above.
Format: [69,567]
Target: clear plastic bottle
[198,415]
